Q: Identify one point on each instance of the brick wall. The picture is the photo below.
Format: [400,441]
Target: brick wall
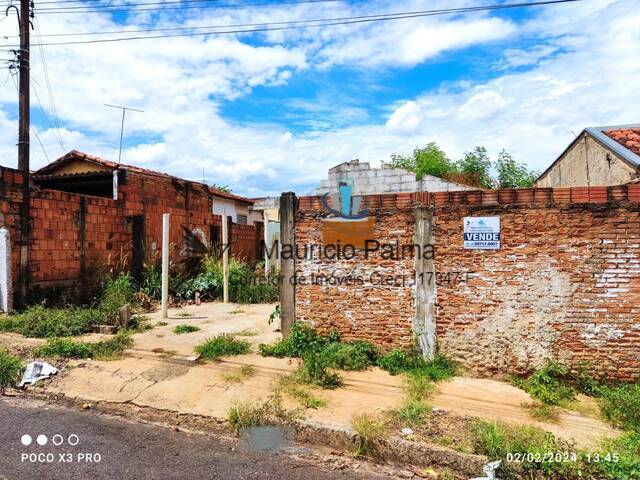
[58,256]
[564,284]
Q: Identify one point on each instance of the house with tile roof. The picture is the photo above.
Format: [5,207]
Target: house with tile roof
[79,172]
[599,156]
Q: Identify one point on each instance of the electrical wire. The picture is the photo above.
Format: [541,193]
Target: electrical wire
[127,7]
[52,101]
[33,130]
[300,24]
[288,22]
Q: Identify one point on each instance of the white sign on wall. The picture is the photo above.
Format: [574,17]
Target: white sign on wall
[482,233]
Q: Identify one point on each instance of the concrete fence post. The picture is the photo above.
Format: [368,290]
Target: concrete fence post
[6,290]
[165,265]
[424,319]
[226,247]
[288,210]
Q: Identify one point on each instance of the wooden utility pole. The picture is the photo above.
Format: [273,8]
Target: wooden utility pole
[23,147]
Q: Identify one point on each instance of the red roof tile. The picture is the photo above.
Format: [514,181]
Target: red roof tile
[627,137]
[77,155]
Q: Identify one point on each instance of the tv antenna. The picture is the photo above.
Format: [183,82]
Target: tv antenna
[124,110]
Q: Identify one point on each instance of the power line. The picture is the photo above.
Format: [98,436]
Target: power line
[303,21]
[127,7]
[52,101]
[300,24]
[32,128]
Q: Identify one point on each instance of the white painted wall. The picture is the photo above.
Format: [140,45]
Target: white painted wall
[225,207]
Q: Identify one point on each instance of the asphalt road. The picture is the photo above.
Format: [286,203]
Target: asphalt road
[112,448]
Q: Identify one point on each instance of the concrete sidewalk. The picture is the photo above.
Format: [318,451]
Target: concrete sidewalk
[158,373]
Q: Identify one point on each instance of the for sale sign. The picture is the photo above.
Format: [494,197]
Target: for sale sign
[482,233]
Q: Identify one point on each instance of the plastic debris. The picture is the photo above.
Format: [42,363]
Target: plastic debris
[37,371]
[405,432]
[490,471]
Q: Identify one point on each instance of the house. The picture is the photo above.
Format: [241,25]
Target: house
[78,172]
[365,180]
[91,216]
[599,156]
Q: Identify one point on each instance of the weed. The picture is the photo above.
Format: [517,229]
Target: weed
[418,386]
[542,411]
[42,322]
[358,355]
[182,329]
[290,385]
[10,370]
[549,384]
[275,315]
[69,348]
[413,413]
[621,405]
[370,428]
[242,415]
[301,339]
[244,372]
[184,315]
[536,447]
[236,311]
[162,324]
[221,346]
[246,333]
[117,291]
[400,361]
[317,369]
[619,458]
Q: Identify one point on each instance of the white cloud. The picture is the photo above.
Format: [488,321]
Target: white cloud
[582,74]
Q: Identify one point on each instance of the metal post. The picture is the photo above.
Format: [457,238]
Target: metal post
[225,257]
[165,265]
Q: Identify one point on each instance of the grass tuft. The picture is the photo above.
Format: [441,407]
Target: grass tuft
[182,329]
[69,348]
[370,428]
[222,345]
[244,414]
[10,370]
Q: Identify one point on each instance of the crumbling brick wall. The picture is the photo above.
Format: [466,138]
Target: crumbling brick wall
[565,283]
[76,239]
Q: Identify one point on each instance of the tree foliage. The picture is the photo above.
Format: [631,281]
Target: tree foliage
[474,168]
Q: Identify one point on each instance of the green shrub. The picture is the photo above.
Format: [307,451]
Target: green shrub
[402,361]
[42,322]
[301,339]
[627,449]
[102,350]
[412,413]
[496,440]
[356,355]
[317,369]
[221,346]
[549,384]
[182,329]
[621,405]
[10,370]
[151,283]
[117,291]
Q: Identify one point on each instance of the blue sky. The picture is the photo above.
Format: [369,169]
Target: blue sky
[271,112]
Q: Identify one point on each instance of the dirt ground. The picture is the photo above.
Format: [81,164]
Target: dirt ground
[160,372]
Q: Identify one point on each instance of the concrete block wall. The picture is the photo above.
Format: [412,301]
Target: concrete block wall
[366,180]
[565,283]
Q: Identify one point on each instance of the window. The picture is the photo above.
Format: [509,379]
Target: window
[242,219]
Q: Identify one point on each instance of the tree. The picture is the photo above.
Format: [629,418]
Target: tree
[222,188]
[430,160]
[512,174]
[475,167]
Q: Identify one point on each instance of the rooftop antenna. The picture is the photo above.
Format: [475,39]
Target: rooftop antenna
[124,110]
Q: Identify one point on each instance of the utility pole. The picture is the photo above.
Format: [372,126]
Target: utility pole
[124,109]
[23,147]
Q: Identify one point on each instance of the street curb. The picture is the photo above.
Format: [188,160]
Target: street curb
[392,450]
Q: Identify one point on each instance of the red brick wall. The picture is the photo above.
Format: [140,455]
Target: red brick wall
[565,283]
[54,259]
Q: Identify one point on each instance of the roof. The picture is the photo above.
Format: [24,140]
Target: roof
[623,140]
[49,171]
[627,137]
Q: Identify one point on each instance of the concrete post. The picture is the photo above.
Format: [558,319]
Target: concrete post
[267,261]
[225,258]
[6,292]
[165,265]
[288,210]
[424,320]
